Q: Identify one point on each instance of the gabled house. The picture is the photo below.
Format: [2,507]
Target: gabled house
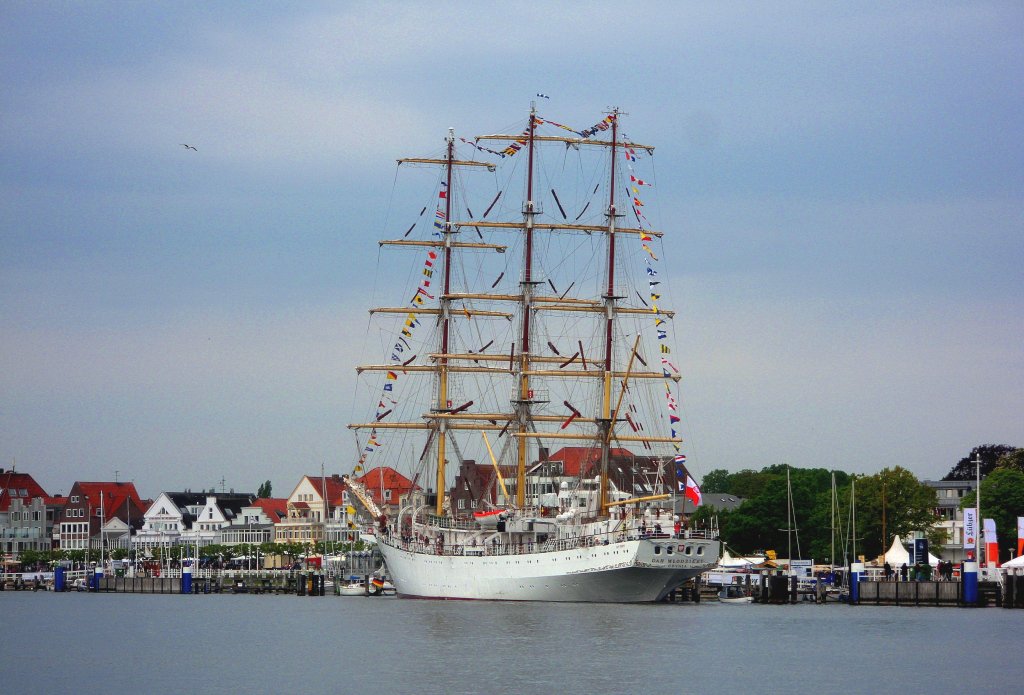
[191,518]
[170,515]
[477,487]
[386,487]
[255,523]
[316,511]
[217,512]
[89,506]
[27,514]
[14,486]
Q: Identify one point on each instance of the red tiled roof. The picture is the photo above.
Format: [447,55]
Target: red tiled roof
[276,508]
[574,458]
[392,480]
[9,480]
[114,494]
[332,484]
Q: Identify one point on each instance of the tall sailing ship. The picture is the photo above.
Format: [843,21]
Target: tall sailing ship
[534,324]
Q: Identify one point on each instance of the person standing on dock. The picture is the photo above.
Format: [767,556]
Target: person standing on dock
[888,572]
[903,572]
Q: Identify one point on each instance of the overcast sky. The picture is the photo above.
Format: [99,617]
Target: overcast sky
[841,186]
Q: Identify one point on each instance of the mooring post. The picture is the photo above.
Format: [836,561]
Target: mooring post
[970,573]
[856,569]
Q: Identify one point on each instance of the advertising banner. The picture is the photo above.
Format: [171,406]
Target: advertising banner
[921,550]
[971,534]
[1020,536]
[991,544]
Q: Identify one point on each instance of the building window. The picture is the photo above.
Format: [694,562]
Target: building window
[74,499]
[387,494]
[462,503]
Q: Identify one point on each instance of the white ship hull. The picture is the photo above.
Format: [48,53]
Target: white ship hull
[624,572]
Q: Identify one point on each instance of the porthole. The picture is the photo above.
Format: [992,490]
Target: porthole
[689,550]
[700,550]
[657,550]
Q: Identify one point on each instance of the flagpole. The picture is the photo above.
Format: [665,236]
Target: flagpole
[977,508]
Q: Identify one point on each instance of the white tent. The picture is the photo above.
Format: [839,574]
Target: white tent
[1015,563]
[897,555]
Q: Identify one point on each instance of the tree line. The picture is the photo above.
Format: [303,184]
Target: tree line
[761,522]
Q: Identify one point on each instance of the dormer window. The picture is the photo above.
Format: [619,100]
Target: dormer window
[74,499]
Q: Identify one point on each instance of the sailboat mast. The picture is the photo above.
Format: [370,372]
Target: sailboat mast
[523,405]
[442,390]
[789,521]
[853,518]
[832,551]
[605,419]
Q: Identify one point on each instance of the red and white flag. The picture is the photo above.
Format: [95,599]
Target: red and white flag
[693,491]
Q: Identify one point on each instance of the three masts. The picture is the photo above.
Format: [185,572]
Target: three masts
[606,366]
[522,359]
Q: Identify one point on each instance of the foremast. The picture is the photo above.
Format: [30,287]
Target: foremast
[445,318]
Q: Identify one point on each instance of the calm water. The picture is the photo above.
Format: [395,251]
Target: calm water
[274,644]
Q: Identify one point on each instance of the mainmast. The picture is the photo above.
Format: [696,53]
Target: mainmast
[525,397]
[445,317]
[605,420]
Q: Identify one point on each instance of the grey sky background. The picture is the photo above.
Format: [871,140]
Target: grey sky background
[842,186]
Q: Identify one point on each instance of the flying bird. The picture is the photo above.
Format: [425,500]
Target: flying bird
[189,147]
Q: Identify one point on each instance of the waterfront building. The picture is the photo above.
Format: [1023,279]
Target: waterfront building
[255,523]
[386,487]
[216,513]
[477,487]
[949,494]
[26,514]
[189,518]
[89,506]
[318,509]
[28,524]
[636,476]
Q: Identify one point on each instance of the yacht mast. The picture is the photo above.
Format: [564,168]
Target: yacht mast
[525,397]
[605,420]
[445,301]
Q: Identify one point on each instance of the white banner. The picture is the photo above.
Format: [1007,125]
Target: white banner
[971,529]
[990,531]
[1020,527]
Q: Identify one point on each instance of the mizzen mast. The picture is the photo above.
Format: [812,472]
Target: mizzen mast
[605,422]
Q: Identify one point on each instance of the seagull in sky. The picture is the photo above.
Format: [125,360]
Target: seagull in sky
[189,147]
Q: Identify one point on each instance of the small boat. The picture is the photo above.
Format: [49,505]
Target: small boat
[489,519]
[734,594]
[353,587]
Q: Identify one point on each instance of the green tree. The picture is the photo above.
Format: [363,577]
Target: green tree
[760,523]
[990,455]
[1002,500]
[1013,460]
[264,491]
[30,557]
[909,507]
[715,481]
